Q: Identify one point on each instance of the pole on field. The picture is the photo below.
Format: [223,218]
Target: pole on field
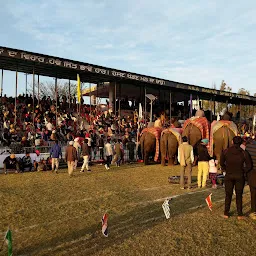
[33,95]
[56,99]
[2,82]
[38,90]
[16,91]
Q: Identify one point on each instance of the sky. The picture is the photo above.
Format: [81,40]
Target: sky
[195,42]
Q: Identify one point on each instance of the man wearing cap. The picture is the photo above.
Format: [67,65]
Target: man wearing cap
[185,158]
[55,153]
[11,163]
[203,163]
[235,162]
[78,151]
[71,157]
[85,153]
[37,160]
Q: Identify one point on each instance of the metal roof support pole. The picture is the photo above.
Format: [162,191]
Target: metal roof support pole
[115,99]
[211,108]
[26,75]
[33,95]
[119,107]
[119,103]
[240,117]
[2,83]
[56,99]
[214,107]
[145,101]
[69,96]
[38,90]
[16,92]
[90,102]
[170,106]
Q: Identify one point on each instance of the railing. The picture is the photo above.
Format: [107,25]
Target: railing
[46,150]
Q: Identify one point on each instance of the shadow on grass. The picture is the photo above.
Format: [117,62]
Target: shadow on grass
[90,240]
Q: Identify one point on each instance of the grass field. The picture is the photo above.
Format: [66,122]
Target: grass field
[52,214]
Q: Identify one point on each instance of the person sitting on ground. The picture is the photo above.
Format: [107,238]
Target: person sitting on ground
[185,158]
[11,163]
[37,160]
[26,162]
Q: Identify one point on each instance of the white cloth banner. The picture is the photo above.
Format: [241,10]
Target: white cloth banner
[166,208]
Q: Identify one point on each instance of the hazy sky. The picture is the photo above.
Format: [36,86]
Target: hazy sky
[196,42]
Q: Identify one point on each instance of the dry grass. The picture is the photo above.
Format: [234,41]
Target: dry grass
[56,215]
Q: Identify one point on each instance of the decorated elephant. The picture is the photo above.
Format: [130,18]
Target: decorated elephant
[150,143]
[222,134]
[196,128]
[170,141]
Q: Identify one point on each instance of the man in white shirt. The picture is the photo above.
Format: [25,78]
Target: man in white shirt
[37,160]
[108,153]
[49,126]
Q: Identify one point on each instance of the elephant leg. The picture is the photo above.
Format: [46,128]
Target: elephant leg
[172,149]
[163,148]
[146,157]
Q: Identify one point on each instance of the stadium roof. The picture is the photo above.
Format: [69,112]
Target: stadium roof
[45,65]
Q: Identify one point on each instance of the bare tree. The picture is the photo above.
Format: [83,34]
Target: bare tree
[48,89]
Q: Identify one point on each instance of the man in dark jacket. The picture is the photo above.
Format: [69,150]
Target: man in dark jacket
[251,148]
[235,162]
[11,163]
[101,147]
[85,153]
[55,153]
[203,163]
[26,162]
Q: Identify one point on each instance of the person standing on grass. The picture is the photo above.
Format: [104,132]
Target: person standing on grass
[78,151]
[119,152]
[108,154]
[251,148]
[71,157]
[185,158]
[101,147]
[55,153]
[203,163]
[236,163]
[85,153]
[213,171]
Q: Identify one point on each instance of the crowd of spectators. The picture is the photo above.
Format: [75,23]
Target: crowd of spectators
[41,121]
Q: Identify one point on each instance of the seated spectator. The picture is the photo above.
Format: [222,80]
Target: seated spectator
[26,162]
[11,163]
[37,160]
[42,166]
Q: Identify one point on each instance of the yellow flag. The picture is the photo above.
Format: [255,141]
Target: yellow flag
[78,89]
